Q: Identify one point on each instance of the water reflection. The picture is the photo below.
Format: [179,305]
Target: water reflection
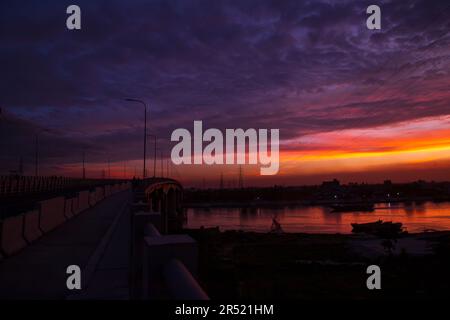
[317,219]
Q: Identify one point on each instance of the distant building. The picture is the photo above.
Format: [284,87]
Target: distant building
[333,184]
[331,189]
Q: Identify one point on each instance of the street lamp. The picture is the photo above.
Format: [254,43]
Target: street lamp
[145,130]
[162,165]
[84,164]
[154,155]
[161,161]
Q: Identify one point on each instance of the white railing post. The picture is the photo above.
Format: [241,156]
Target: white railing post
[158,252]
[138,222]
[180,282]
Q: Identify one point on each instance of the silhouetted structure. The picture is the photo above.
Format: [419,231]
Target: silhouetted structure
[241,178]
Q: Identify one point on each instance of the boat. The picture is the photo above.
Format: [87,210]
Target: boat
[365,207]
[387,228]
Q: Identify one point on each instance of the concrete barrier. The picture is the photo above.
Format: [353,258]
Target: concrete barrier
[68,208]
[158,251]
[107,191]
[51,214]
[139,225]
[83,201]
[11,235]
[180,282]
[75,206]
[99,193]
[92,199]
[31,231]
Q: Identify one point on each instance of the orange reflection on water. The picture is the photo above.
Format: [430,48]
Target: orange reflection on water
[415,217]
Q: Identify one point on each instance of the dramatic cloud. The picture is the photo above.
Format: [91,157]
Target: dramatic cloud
[306,67]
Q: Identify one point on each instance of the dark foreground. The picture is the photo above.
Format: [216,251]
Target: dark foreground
[246,265]
[97,240]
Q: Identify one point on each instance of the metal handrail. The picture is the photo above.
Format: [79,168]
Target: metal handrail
[180,282]
[151,231]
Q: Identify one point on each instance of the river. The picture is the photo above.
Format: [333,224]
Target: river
[318,219]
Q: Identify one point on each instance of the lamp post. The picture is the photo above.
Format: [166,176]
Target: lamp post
[161,161]
[162,164]
[84,167]
[36,154]
[109,169]
[144,174]
[154,155]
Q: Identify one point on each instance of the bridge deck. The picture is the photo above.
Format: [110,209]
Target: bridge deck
[96,240]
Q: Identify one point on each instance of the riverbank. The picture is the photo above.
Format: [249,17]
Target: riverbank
[285,203]
[248,265]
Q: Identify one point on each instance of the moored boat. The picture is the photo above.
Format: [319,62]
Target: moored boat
[378,228]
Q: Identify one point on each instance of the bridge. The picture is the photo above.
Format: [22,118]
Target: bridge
[123,235]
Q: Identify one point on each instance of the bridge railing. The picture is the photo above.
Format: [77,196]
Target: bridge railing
[177,280]
[22,185]
[18,230]
[182,285]
[163,266]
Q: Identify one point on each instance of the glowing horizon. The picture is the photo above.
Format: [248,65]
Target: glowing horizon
[349,102]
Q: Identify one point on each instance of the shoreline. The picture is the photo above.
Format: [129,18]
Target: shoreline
[249,265]
[407,234]
[325,203]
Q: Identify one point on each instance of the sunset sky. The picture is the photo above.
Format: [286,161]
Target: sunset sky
[351,103]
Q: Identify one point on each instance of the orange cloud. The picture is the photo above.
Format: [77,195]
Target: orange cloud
[353,150]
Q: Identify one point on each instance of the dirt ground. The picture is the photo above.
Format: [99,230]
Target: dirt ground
[246,265]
